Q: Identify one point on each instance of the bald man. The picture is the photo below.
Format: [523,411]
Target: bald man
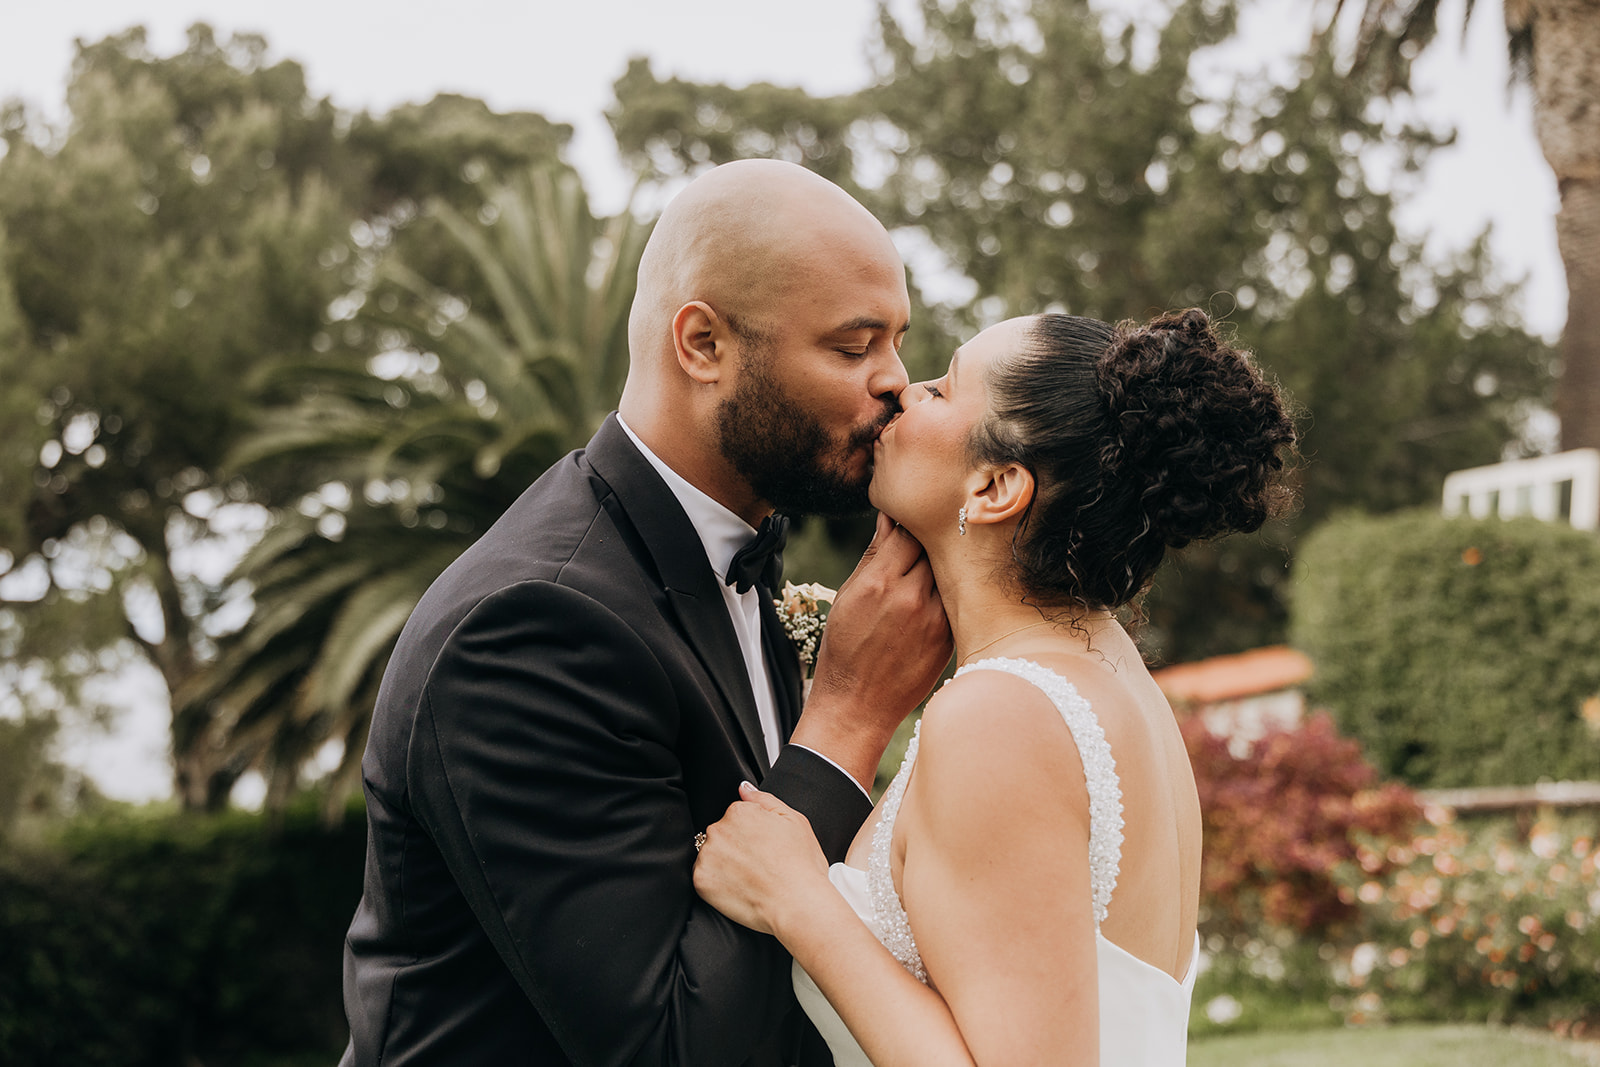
[584,689]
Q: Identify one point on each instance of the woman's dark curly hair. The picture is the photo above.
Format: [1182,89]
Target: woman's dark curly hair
[1139,439]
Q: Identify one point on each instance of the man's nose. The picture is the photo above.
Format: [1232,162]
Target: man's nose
[889,378]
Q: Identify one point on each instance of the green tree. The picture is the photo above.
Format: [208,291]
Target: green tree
[417,451]
[201,218]
[1055,166]
[1555,47]
[30,781]
[161,249]
[23,436]
[442,148]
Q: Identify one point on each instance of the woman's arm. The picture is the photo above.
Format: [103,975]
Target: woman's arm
[762,867]
[994,831]
[996,873]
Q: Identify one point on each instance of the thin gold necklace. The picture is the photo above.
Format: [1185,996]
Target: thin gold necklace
[1002,637]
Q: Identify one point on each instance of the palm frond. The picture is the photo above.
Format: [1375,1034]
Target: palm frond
[366,625]
[547,356]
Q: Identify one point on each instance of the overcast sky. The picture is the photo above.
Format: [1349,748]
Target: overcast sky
[560,58]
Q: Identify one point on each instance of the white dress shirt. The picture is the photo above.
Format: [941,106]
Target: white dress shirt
[723,533]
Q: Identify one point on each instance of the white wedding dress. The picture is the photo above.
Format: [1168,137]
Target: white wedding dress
[1144,1013]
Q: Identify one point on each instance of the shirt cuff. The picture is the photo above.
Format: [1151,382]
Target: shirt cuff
[847,775]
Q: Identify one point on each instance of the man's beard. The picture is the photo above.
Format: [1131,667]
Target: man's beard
[787,456]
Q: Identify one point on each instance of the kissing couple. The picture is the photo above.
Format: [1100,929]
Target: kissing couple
[603,827]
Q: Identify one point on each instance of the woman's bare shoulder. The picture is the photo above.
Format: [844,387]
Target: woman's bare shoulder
[987,708]
[988,727]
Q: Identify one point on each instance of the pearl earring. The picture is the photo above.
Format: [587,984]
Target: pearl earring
[961,522]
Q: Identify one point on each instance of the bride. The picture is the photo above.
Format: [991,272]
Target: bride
[1026,890]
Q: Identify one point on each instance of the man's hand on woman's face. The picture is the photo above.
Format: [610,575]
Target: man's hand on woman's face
[886,643]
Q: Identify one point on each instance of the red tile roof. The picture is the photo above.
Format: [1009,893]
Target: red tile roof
[1208,681]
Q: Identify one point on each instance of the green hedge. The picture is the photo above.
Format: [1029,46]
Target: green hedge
[140,940]
[1459,652]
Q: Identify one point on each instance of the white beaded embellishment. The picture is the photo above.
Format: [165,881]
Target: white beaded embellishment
[1099,771]
[893,929]
[1105,811]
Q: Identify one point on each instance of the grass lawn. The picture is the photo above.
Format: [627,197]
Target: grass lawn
[1394,1046]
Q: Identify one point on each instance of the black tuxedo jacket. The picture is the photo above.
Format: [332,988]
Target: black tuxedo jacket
[566,707]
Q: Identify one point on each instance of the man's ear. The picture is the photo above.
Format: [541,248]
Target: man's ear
[1005,495]
[699,336]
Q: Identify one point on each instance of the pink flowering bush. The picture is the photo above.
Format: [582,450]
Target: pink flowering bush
[1479,922]
[1280,820]
[1329,895]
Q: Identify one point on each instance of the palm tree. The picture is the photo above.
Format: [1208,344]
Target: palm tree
[1555,46]
[407,457]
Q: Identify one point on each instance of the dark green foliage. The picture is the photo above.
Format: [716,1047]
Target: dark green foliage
[673,126]
[1459,652]
[439,149]
[1217,597]
[29,779]
[179,939]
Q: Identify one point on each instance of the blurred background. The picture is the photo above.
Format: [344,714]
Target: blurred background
[295,298]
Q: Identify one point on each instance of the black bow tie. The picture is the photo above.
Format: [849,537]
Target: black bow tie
[762,559]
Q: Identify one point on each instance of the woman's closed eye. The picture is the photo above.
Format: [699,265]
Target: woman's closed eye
[933,390]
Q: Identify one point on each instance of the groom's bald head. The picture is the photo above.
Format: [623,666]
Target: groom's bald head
[739,237]
[759,283]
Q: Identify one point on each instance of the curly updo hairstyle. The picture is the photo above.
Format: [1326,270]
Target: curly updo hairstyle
[1139,439]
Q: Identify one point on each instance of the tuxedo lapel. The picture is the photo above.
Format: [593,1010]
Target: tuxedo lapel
[784,665]
[685,572]
[705,621]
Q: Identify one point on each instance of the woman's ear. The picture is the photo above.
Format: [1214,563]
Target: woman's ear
[699,338]
[1005,495]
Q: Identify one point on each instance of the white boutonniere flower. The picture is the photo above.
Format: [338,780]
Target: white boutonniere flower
[801,609]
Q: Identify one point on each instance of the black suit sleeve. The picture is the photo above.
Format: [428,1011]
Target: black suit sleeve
[543,766]
[828,797]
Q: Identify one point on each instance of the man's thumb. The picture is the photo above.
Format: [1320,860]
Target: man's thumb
[880,532]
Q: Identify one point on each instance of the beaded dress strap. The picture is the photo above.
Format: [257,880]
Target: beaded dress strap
[1099,771]
[889,915]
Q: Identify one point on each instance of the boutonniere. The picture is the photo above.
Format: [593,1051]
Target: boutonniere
[802,609]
